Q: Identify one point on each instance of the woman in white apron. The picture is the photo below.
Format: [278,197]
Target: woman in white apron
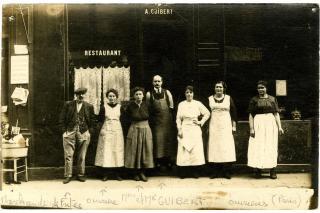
[110,148]
[191,116]
[221,147]
[264,121]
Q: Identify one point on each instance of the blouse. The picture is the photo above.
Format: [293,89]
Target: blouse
[259,105]
[136,112]
[187,111]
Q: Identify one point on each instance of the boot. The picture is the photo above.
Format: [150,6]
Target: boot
[214,175]
[106,174]
[136,175]
[181,171]
[118,172]
[81,178]
[226,171]
[169,165]
[143,177]
[105,178]
[66,180]
[195,172]
[118,177]
[216,170]
[273,174]
[257,173]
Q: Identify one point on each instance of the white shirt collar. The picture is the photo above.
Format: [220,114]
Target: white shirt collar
[156,90]
[79,105]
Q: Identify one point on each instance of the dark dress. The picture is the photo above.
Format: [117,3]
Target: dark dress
[138,147]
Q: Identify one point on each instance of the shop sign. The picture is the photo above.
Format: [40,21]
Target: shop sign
[102,52]
[158,9]
[243,53]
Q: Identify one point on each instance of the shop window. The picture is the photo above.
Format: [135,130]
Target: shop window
[112,77]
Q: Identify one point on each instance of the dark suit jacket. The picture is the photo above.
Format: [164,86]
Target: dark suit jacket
[67,119]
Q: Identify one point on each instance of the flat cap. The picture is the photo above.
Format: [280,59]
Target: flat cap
[80,90]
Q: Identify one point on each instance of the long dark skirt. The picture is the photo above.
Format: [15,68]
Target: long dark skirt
[139,147]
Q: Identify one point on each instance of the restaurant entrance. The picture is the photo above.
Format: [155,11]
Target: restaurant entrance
[166,52]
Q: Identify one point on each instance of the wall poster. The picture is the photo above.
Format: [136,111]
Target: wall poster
[20,69]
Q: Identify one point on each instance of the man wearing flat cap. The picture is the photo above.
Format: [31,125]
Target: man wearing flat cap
[77,120]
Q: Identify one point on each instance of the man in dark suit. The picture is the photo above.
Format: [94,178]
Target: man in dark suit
[77,120]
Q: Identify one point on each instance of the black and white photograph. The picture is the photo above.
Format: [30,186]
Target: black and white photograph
[160,106]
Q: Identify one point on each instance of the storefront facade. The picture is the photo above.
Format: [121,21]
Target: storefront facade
[189,44]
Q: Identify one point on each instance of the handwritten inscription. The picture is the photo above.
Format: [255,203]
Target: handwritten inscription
[281,201]
[107,201]
[102,199]
[285,200]
[139,198]
[159,197]
[66,201]
[162,200]
[251,203]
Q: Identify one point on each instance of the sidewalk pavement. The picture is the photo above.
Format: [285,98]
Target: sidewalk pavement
[289,191]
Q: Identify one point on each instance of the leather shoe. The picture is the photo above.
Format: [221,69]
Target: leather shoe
[66,180]
[136,178]
[119,178]
[196,175]
[169,166]
[162,168]
[257,174]
[273,174]
[143,177]
[214,175]
[81,178]
[227,175]
[181,176]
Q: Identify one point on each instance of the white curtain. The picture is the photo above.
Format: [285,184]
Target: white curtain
[113,77]
[89,78]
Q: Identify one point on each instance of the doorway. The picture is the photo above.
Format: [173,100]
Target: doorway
[166,52]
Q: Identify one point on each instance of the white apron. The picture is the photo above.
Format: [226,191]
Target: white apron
[110,148]
[263,148]
[221,146]
[190,146]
